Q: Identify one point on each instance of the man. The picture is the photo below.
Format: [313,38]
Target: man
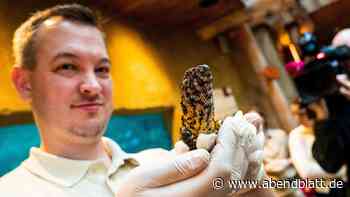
[62,70]
[332,129]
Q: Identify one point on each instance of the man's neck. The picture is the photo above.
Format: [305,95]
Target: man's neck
[76,151]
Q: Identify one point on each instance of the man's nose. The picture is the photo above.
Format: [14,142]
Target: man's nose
[90,85]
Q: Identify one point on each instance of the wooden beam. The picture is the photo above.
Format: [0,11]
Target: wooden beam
[271,89]
[253,16]
[227,22]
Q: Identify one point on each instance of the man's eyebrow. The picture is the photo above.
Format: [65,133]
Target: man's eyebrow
[64,55]
[104,60]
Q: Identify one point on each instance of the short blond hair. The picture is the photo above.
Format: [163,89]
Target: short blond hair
[24,39]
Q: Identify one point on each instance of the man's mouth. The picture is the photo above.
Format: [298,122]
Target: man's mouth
[90,107]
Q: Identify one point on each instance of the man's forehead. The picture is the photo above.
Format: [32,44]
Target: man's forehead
[58,35]
[58,23]
[52,21]
[57,28]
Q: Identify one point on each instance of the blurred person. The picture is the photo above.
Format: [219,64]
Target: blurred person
[62,69]
[300,143]
[277,162]
[332,131]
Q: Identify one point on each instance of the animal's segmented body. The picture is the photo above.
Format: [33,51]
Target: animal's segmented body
[197,104]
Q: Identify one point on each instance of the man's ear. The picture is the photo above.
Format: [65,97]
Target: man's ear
[21,80]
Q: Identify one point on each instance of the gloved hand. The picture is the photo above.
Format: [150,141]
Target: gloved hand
[191,176]
[238,151]
[161,171]
[255,148]
[249,132]
[251,140]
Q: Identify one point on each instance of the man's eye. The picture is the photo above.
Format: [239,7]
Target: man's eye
[67,67]
[104,70]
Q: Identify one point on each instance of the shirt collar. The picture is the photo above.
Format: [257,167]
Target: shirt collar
[67,172]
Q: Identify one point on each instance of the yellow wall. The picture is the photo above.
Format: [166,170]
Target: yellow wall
[139,78]
[9,100]
[148,66]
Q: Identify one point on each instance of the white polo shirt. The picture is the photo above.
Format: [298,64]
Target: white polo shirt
[47,175]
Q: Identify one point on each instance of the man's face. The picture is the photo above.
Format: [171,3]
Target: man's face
[71,83]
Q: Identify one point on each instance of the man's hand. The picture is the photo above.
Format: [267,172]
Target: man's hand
[345,85]
[157,176]
[180,174]
[255,149]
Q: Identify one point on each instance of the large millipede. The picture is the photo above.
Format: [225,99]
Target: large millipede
[197,105]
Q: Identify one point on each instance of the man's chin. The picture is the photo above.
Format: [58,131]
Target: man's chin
[89,130]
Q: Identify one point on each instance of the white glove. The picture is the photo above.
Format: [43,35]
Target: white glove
[162,176]
[248,138]
[255,148]
[206,141]
[187,174]
[249,131]
[190,174]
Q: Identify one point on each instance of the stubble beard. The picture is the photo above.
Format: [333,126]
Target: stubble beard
[90,129]
[85,132]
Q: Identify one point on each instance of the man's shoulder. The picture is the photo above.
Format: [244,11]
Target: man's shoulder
[17,182]
[15,175]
